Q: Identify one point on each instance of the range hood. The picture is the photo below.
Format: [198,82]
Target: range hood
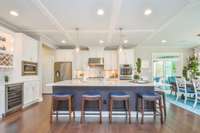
[96,61]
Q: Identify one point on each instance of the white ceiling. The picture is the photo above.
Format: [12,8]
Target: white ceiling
[176,21]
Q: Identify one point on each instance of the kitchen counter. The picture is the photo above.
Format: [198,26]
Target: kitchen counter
[99,83]
[104,87]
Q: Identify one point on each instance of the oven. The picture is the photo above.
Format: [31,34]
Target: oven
[126,72]
[29,68]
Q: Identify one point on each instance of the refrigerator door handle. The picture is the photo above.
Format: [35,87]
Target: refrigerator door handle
[57,74]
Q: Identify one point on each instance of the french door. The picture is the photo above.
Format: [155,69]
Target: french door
[164,68]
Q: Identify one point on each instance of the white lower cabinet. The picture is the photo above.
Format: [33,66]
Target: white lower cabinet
[31,92]
[2,100]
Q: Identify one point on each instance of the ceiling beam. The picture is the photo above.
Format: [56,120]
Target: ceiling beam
[115,13]
[45,11]
[88,31]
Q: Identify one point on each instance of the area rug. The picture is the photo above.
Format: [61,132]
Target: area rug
[180,103]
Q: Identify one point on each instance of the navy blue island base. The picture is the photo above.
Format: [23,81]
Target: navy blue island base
[77,91]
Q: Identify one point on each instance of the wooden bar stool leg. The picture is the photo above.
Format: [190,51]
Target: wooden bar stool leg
[51,113]
[70,107]
[164,105]
[161,112]
[56,106]
[154,110]
[73,108]
[142,111]
[126,109]
[136,108]
[110,111]
[82,109]
[100,110]
[129,110]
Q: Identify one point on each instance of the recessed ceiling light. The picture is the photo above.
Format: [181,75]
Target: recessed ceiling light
[77,49]
[120,48]
[63,41]
[14,13]
[101,41]
[147,12]
[100,12]
[163,41]
[125,41]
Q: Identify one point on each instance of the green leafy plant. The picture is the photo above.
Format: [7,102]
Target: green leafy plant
[185,69]
[138,69]
[192,67]
[138,65]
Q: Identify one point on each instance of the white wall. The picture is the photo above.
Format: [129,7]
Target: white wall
[145,53]
[48,55]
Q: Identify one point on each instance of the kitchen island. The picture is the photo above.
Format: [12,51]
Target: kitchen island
[104,87]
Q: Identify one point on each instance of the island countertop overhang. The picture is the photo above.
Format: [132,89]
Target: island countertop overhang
[102,83]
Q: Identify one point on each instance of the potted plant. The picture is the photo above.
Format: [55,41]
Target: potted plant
[138,69]
[191,70]
[6,78]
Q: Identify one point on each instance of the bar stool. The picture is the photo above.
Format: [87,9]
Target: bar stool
[162,93]
[91,96]
[150,97]
[119,96]
[56,98]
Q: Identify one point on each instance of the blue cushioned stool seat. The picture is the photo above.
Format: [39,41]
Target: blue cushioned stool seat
[62,94]
[118,94]
[149,95]
[91,94]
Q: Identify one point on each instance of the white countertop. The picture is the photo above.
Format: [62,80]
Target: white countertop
[17,81]
[97,83]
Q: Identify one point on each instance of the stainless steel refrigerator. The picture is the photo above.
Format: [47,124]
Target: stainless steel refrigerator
[62,71]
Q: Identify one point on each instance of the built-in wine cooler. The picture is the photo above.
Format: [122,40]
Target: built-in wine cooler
[14,97]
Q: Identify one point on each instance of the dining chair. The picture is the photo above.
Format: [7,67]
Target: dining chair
[196,84]
[183,90]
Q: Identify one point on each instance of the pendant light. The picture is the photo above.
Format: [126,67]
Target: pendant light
[77,47]
[120,40]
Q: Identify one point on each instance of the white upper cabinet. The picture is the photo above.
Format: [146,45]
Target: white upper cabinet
[81,60]
[96,52]
[126,56]
[110,60]
[30,49]
[64,55]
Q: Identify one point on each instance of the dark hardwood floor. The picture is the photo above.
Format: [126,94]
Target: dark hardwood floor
[36,120]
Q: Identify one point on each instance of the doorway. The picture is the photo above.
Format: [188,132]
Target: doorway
[166,65]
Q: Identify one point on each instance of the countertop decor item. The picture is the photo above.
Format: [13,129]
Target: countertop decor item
[6,78]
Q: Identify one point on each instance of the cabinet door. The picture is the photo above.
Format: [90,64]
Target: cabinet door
[122,57]
[114,60]
[36,90]
[107,60]
[30,49]
[126,56]
[64,55]
[2,99]
[28,93]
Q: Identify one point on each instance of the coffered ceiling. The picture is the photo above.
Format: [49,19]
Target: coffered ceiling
[176,21]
